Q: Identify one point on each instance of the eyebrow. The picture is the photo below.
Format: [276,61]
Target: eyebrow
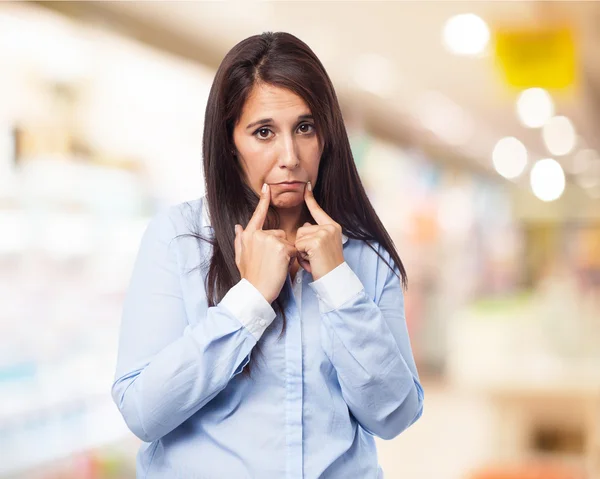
[265,121]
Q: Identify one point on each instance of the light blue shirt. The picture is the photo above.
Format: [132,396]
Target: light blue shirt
[342,372]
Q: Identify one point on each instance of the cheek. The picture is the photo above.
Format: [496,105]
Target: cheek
[257,163]
[312,155]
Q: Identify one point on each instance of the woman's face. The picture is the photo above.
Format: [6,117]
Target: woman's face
[276,142]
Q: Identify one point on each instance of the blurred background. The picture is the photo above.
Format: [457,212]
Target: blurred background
[475,127]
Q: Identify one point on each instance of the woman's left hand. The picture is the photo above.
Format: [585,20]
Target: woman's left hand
[319,246]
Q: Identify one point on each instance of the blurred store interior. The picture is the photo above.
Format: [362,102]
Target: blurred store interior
[476,129]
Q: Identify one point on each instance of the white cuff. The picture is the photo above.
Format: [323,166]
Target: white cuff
[250,307]
[337,287]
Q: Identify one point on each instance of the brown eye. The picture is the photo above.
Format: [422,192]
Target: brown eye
[262,133]
[306,128]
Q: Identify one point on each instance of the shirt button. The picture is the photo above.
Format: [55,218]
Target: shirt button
[299,280]
[262,322]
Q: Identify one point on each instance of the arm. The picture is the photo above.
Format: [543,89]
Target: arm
[166,369]
[368,344]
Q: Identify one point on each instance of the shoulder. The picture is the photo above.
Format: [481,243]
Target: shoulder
[369,254]
[181,217]
[189,213]
[177,232]
[173,221]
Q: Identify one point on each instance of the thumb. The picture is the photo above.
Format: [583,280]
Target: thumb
[304,263]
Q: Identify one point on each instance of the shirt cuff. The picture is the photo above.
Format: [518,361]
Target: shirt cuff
[250,307]
[337,287]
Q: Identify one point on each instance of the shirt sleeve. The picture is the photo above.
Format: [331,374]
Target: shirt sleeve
[166,369]
[367,342]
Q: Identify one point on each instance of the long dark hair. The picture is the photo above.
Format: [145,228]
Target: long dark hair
[282,60]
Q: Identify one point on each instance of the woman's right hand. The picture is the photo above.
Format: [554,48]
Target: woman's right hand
[262,256]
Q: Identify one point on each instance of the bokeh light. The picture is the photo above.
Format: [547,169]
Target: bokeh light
[559,135]
[535,107]
[466,34]
[547,179]
[509,157]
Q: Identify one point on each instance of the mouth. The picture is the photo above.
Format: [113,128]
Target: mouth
[290,185]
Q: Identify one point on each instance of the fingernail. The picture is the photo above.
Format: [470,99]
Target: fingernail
[235,229]
[264,188]
[309,186]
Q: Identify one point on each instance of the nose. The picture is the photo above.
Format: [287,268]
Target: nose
[288,157]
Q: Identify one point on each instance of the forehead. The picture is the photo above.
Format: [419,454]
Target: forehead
[268,101]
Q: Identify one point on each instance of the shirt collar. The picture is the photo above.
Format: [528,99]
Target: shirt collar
[206,218]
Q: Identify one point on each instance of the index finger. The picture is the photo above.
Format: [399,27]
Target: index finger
[260,213]
[316,211]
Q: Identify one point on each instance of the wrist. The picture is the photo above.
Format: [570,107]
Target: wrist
[262,290]
[319,272]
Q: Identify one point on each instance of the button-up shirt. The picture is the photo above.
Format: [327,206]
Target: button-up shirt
[341,373]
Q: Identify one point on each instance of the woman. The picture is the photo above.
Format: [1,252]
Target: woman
[267,268]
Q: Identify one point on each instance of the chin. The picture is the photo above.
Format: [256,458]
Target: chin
[288,200]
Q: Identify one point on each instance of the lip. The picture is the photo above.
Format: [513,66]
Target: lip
[290,185]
